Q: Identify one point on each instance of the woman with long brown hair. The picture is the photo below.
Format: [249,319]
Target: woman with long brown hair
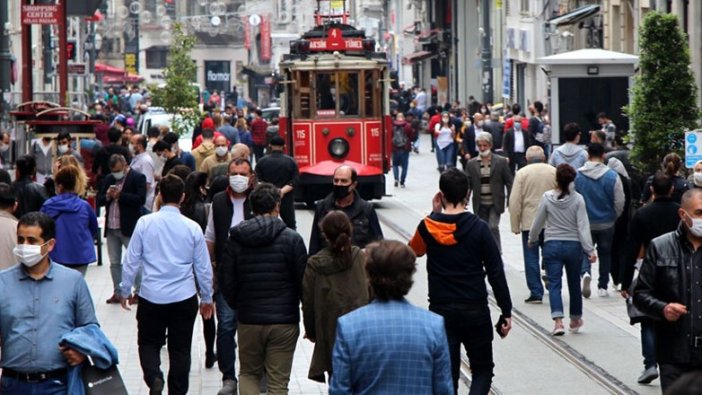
[334,284]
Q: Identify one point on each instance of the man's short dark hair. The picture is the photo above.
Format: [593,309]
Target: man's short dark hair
[661,183]
[26,165]
[602,136]
[161,146]
[141,140]
[43,221]
[63,135]
[264,198]
[171,188]
[602,115]
[453,183]
[114,135]
[116,158]
[595,150]
[153,131]
[259,112]
[539,106]
[170,138]
[239,162]
[182,171]
[516,109]
[571,131]
[390,265]
[7,196]
[5,176]
[207,133]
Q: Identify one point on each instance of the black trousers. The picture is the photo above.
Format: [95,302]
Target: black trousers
[516,161]
[153,322]
[671,372]
[471,327]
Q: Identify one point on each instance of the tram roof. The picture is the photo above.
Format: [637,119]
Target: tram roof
[333,62]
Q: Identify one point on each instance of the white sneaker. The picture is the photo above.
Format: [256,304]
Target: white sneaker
[602,293]
[586,285]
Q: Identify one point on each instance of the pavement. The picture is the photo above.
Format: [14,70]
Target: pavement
[524,365]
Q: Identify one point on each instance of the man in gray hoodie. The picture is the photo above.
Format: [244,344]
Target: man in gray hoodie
[570,152]
[604,198]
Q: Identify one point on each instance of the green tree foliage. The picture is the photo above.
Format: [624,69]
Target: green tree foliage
[178,96]
[664,98]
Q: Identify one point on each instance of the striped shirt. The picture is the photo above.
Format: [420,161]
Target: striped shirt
[485,191]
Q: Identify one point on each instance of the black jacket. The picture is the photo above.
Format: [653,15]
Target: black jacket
[222,212]
[102,158]
[30,196]
[680,186]
[469,142]
[261,272]
[366,227]
[131,200]
[508,141]
[665,277]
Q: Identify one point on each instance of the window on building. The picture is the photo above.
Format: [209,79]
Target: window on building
[524,6]
[156,58]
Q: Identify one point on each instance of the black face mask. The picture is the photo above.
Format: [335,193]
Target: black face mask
[341,191]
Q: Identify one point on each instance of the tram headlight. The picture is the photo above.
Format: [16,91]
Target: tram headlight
[338,148]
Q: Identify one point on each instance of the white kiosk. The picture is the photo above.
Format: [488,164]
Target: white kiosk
[585,83]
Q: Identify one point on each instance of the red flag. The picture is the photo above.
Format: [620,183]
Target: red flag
[247,31]
[265,38]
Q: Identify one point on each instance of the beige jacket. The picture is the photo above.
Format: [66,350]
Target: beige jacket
[530,184]
[8,239]
[203,151]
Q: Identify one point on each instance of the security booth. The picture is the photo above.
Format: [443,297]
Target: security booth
[585,83]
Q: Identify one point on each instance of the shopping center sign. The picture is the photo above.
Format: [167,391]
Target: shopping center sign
[40,14]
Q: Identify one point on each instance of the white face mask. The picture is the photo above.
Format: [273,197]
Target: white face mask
[4,147]
[221,151]
[118,175]
[28,255]
[485,153]
[696,228]
[131,149]
[63,148]
[697,178]
[238,183]
[480,124]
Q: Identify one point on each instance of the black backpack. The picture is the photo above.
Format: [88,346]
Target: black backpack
[399,137]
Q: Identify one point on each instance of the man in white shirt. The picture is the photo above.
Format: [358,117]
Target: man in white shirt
[515,144]
[144,164]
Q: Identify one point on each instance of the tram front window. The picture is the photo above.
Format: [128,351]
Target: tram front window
[337,92]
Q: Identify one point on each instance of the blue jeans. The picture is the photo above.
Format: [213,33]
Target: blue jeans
[444,156]
[531,267]
[400,158]
[648,342]
[559,254]
[226,344]
[603,241]
[10,386]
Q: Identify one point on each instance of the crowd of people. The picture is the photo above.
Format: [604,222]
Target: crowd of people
[213,231]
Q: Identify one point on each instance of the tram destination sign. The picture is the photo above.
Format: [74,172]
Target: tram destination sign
[40,14]
[336,42]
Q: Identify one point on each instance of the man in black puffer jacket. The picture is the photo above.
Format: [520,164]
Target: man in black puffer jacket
[261,277]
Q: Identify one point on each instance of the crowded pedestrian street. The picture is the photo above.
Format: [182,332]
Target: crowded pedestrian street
[603,358]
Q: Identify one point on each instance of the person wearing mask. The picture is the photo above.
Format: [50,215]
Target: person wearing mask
[76,223]
[334,284]
[166,157]
[570,152]
[32,327]
[671,165]
[8,225]
[345,197]
[402,136]
[536,124]
[196,208]
[469,138]
[185,157]
[41,151]
[229,208]
[153,135]
[101,165]
[563,217]
[67,160]
[280,170]
[510,121]
[391,346]
[217,164]
[529,186]
[259,126]
[604,197]
[65,146]
[172,278]
[205,149]
[490,182]
[123,195]
[444,236]
[651,221]
[261,278]
[444,133]
[515,144]
[142,163]
[30,194]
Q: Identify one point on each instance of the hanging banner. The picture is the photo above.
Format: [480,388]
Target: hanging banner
[247,31]
[265,38]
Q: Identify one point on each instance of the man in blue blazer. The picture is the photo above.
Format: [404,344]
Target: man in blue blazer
[123,194]
[390,346]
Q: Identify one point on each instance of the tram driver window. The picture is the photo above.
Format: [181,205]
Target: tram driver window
[339,92]
[326,92]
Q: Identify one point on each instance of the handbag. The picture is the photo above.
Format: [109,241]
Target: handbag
[98,381]
[631,310]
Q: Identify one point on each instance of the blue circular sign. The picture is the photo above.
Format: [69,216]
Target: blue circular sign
[691,150]
[692,138]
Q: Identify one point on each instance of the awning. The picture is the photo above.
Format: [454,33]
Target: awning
[257,70]
[575,16]
[417,57]
[107,69]
[122,79]
[427,35]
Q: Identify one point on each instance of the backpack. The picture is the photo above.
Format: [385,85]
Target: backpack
[399,137]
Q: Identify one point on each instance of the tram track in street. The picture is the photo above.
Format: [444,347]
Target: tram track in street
[596,373]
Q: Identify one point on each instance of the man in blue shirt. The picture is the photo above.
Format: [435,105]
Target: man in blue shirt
[390,346]
[40,301]
[171,250]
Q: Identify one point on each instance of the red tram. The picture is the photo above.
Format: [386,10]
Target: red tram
[335,108]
